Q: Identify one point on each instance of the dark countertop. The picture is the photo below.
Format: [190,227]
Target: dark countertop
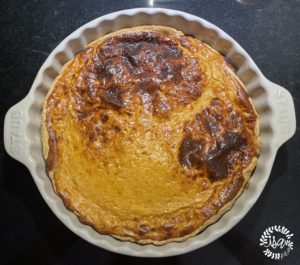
[29,30]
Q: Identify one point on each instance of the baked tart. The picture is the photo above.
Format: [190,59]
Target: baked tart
[148,135]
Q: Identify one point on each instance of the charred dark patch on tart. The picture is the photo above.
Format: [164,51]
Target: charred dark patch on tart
[145,69]
[225,155]
[143,66]
[189,152]
[112,96]
[216,140]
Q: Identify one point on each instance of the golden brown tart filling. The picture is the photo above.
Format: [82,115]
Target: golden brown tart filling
[148,135]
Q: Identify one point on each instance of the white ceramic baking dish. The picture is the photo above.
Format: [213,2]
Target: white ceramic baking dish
[273,103]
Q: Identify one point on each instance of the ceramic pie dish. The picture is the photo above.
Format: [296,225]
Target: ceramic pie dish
[273,104]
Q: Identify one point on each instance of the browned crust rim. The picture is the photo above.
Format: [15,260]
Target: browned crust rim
[226,207]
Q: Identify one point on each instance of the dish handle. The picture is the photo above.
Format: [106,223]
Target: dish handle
[16,142]
[284,110]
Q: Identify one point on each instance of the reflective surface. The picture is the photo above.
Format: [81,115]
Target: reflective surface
[30,233]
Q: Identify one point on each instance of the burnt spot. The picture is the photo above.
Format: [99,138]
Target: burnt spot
[145,62]
[116,128]
[143,229]
[91,137]
[104,117]
[139,68]
[170,78]
[151,95]
[140,37]
[112,96]
[219,165]
[147,86]
[212,126]
[231,141]
[130,58]
[173,52]
[81,115]
[97,70]
[222,144]
[176,75]
[189,152]
[215,103]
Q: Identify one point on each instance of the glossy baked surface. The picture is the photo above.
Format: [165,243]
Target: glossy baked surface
[148,135]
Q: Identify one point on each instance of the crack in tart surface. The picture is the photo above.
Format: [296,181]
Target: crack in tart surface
[148,135]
